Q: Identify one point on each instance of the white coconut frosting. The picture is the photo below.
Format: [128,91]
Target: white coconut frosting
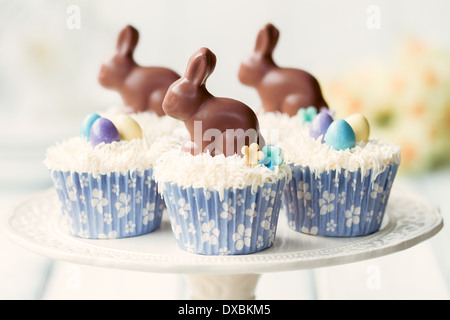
[292,136]
[214,173]
[375,155]
[78,155]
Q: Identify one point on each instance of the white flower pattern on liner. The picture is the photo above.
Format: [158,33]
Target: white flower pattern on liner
[132,183]
[224,251]
[129,227]
[312,230]
[268,219]
[84,181]
[115,189]
[268,193]
[251,212]
[107,218]
[228,210]
[239,200]
[272,233]
[376,189]
[303,192]
[138,197]
[369,216]
[209,232]
[98,201]
[331,226]
[342,197]
[191,228]
[326,202]
[110,235]
[310,213]
[189,247]
[259,242]
[71,191]
[242,237]
[201,214]
[83,217]
[176,228]
[148,213]
[123,204]
[352,216]
[185,208]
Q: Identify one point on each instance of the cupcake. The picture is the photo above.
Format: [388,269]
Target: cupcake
[341,179]
[222,193]
[104,179]
[219,205]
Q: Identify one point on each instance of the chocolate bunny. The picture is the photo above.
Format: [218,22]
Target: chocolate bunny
[141,88]
[280,89]
[216,125]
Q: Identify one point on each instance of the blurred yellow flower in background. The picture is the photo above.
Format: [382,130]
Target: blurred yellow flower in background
[407,102]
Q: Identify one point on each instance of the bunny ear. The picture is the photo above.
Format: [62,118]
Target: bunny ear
[127,40]
[267,39]
[200,66]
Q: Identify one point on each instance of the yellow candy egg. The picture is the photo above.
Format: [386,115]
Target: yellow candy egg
[128,128]
[360,126]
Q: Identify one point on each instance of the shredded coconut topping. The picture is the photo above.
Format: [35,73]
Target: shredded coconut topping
[77,154]
[214,173]
[300,149]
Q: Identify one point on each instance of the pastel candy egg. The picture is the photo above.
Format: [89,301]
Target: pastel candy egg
[86,124]
[360,126]
[128,128]
[320,124]
[340,135]
[103,130]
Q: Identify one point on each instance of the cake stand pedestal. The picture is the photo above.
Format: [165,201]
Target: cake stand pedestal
[36,224]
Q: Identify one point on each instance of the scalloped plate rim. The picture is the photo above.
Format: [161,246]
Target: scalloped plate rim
[178,261]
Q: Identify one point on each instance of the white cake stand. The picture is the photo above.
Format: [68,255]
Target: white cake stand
[36,224]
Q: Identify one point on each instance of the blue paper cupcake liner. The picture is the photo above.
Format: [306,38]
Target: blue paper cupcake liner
[114,205]
[239,222]
[337,204]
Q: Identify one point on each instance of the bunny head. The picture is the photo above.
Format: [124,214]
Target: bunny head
[115,69]
[185,96]
[254,67]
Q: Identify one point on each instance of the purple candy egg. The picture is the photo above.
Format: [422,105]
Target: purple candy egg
[103,130]
[320,124]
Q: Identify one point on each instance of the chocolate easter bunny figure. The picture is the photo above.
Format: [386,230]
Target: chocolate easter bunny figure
[216,125]
[280,89]
[141,88]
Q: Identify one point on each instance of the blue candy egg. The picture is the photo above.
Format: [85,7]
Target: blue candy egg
[86,124]
[340,135]
[320,124]
[103,130]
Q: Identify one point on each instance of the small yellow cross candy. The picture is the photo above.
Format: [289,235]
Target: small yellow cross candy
[252,154]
